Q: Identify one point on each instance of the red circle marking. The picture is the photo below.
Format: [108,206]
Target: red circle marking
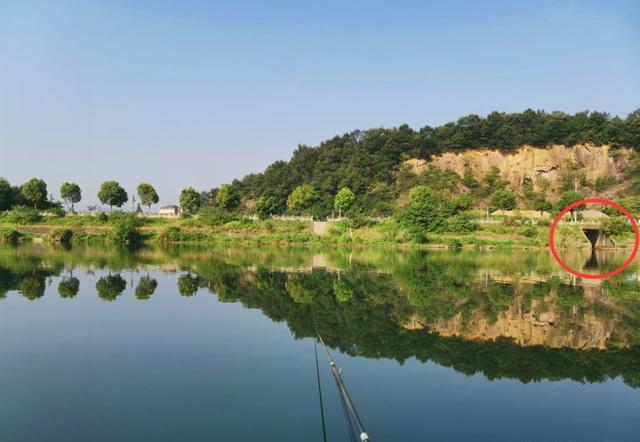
[565,266]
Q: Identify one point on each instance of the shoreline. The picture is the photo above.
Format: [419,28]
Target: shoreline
[290,236]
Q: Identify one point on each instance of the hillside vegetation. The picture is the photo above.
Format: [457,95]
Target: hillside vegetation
[370,162]
[395,186]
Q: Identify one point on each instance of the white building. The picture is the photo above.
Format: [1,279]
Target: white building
[170,211]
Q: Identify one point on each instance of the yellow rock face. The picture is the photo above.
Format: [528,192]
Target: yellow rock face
[532,162]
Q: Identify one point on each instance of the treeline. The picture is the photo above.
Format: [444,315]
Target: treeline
[360,172]
[367,161]
[35,194]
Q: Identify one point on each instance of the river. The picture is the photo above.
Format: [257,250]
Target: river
[217,344]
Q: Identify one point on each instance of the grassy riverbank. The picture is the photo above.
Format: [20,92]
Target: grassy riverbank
[118,227]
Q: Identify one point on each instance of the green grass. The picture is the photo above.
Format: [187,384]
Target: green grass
[90,229]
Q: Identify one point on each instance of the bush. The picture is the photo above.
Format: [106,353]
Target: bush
[61,236]
[604,182]
[503,200]
[10,236]
[126,229]
[422,217]
[461,224]
[358,221]
[528,231]
[170,234]
[414,235]
[214,216]
[454,243]
[616,226]
[24,215]
[57,211]
[102,217]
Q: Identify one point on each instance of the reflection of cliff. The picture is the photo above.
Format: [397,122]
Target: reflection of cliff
[590,321]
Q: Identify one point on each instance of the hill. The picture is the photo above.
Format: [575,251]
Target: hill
[377,164]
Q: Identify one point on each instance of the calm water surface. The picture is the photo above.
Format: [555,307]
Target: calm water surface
[216,344]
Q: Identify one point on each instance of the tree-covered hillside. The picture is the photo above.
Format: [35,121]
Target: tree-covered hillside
[367,162]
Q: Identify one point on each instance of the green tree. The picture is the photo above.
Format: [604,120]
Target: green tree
[422,215]
[6,195]
[227,197]
[266,206]
[126,229]
[190,201]
[541,204]
[459,204]
[112,194]
[568,198]
[301,198]
[148,195]
[35,192]
[469,178]
[421,195]
[493,180]
[344,200]
[503,200]
[71,194]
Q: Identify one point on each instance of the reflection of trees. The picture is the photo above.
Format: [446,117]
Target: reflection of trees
[188,285]
[367,307]
[362,314]
[110,287]
[146,287]
[68,287]
[33,286]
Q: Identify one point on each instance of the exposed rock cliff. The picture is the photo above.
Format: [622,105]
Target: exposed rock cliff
[534,163]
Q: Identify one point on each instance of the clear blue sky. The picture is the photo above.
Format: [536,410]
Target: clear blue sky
[194,93]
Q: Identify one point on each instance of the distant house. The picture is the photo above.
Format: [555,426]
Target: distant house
[169,211]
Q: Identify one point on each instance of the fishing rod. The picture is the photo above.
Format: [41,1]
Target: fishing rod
[344,394]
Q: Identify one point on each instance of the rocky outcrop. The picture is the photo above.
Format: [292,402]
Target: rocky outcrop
[533,163]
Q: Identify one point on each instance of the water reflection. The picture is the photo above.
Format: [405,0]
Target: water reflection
[506,314]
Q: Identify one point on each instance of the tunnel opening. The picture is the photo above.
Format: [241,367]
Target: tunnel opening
[592,235]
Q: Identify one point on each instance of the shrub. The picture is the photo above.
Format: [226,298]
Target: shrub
[528,231]
[102,217]
[459,204]
[24,215]
[461,223]
[616,226]
[357,221]
[170,234]
[126,230]
[214,216]
[269,226]
[604,182]
[422,216]
[57,211]
[503,200]
[544,222]
[454,243]
[10,236]
[61,236]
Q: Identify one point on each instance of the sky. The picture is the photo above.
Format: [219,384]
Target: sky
[194,93]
